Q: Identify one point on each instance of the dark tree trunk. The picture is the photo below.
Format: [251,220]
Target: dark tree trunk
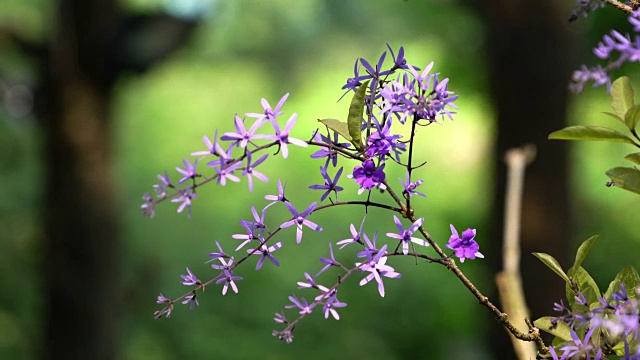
[531,54]
[81,278]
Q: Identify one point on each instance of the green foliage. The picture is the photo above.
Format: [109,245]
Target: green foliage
[590,133]
[622,95]
[580,282]
[628,113]
[626,178]
[338,126]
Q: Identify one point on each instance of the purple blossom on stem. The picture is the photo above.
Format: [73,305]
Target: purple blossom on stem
[161,189]
[405,235]
[265,253]
[190,279]
[355,235]
[465,247]
[258,223]
[185,198]
[189,170]
[225,171]
[162,299]
[581,348]
[410,187]
[282,136]
[370,247]
[269,113]
[330,306]
[248,235]
[302,304]
[280,318]
[211,147]
[328,152]
[311,284]
[242,137]
[368,176]
[329,185]
[229,281]
[250,171]
[377,268]
[276,198]
[148,207]
[218,255]
[398,62]
[328,262]
[191,300]
[381,141]
[300,219]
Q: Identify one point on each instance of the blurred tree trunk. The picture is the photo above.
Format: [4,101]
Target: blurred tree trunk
[81,280]
[531,55]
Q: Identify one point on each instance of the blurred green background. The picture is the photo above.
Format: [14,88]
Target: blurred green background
[241,52]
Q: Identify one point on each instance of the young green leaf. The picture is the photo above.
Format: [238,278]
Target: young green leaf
[582,252]
[338,126]
[629,277]
[562,330]
[586,285]
[552,264]
[626,178]
[594,133]
[355,115]
[622,95]
[615,117]
[632,117]
[634,158]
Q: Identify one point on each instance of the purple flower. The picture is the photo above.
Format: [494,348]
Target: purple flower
[368,176]
[596,74]
[189,171]
[302,304]
[148,207]
[276,198]
[465,247]
[269,113]
[355,235]
[328,262]
[381,142]
[405,235]
[211,147]
[250,171]
[377,269]
[329,185]
[311,284]
[410,187]
[225,171]
[258,223]
[191,299]
[242,137]
[164,312]
[280,318]
[185,198]
[330,306]
[370,248]
[218,255]
[162,299]
[229,280]
[190,279]
[161,189]
[400,62]
[329,151]
[248,236]
[582,348]
[282,136]
[300,219]
[265,253]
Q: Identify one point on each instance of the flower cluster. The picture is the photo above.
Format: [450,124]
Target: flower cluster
[615,48]
[596,330]
[398,95]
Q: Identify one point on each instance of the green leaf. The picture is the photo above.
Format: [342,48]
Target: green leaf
[615,117]
[629,277]
[552,264]
[561,331]
[586,285]
[582,252]
[594,133]
[626,178]
[355,115]
[621,96]
[632,116]
[338,126]
[634,158]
